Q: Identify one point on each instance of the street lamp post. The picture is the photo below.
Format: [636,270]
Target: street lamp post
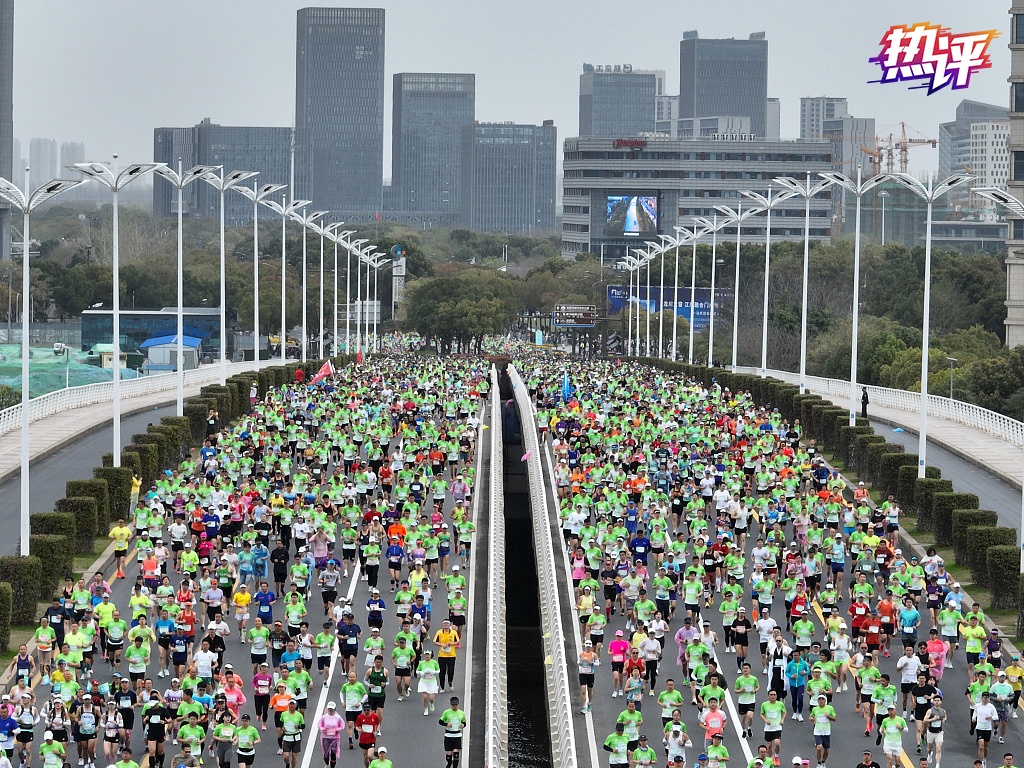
[693,235]
[306,220]
[335,235]
[377,263]
[179,180]
[807,191]
[222,183]
[930,192]
[737,215]
[858,188]
[883,196]
[26,202]
[712,225]
[115,181]
[350,248]
[632,264]
[285,210]
[257,195]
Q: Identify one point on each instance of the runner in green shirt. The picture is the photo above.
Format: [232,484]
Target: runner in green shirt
[454,721]
[746,688]
[126,760]
[51,751]
[822,715]
[644,755]
[618,745]
[292,725]
[245,739]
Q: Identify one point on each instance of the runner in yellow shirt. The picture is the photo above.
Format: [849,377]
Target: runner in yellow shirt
[241,600]
[121,535]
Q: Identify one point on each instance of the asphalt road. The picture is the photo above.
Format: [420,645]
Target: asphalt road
[74,461]
[412,739]
[992,491]
[848,740]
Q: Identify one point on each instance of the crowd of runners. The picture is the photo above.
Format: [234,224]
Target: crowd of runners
[251,541]
[722,571]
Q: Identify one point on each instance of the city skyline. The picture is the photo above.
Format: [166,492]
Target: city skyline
[510,86]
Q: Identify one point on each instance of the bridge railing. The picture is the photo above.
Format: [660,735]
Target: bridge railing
[89,394]
[556,668]
[974,416]
[496,735]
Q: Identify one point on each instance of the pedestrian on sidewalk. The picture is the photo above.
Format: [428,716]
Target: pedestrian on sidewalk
[864,402]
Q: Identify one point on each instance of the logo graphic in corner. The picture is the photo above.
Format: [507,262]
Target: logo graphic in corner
[932,55]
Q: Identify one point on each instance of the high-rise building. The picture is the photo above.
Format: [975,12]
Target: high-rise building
[955,148]
[508,173]
[848,135]
[773,131]
[43,159]
[990,160]
[236,148]
[617,100]
[1015,185]
[814,110]
[6,116]
[71,152]
[18,163]
[170,144]
[431,110]
[724,77]
[339,110]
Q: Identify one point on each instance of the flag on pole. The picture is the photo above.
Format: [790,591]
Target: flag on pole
[359,356]
[327,369]
[376,215]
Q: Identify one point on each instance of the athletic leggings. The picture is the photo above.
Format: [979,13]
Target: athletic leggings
[796,693]
[262,707]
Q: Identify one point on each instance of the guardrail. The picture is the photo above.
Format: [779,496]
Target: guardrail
[89,394]
[496,735]
[958,411]
[556,668]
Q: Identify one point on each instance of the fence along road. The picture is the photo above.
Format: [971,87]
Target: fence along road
[556,674]
[496,729]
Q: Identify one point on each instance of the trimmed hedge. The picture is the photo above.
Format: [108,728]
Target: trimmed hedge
[847,436]
[24,575]
[160,442]
[57,556]
[225,406]
[806,402]
[96,489]
[52,523]
[83,508]
[924,490]
[889,466]
[6,609]
[196,414]
[149,458]
[832,419]
[983,537]
[963,519]
[179,440]
[1003,574]
[861,445]
[119,482]
[874,453]
[943,505]
[907,479]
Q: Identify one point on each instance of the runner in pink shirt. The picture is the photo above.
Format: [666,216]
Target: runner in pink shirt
[331,724]
[618,650]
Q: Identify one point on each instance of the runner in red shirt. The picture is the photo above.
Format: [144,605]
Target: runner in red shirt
[367,726]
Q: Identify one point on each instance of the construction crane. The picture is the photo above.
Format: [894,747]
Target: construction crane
[889,147]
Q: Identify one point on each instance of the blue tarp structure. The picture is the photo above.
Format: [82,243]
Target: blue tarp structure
[188,341]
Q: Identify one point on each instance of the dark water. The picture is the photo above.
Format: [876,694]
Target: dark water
[528,737]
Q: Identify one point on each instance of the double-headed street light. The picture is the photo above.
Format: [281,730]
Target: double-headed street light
[692,235]
[930,192]
[737,215]
[766,203]
[26,203]
[179,180]
[222,183]
[285,210]
[335,234]
[648,257]
[377,262]
[712,225]
[350,248]
[305,219]
[806,190]
[115,181]
[858,188]
[632,264]
[257,195]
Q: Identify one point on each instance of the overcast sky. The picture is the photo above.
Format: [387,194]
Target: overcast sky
[106,72]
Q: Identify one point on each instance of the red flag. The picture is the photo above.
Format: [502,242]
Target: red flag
[359,356]
[327,369]
[377,215]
